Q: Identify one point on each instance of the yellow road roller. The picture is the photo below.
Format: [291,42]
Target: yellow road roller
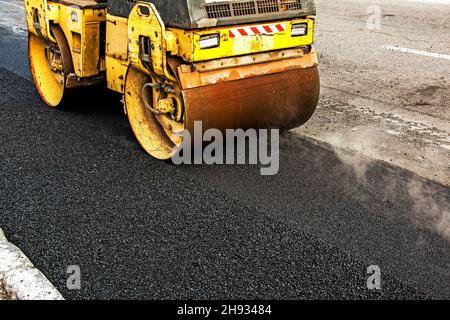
[228,63]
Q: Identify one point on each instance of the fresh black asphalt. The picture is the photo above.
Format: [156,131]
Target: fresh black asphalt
[76,189]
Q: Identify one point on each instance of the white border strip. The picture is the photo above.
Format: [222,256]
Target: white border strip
[432,1]
[417,52]
[19,279]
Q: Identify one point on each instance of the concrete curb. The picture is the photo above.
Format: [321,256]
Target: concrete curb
[19,279]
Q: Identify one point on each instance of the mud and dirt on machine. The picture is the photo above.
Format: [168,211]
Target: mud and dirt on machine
[228,63]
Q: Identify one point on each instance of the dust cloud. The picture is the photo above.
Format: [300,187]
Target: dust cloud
[429,201]
[431,210]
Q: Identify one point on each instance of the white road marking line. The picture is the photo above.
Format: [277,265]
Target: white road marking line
[417,52]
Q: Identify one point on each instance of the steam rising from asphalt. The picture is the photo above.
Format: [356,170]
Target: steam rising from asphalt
[430,207]
[361,143]
[432,211]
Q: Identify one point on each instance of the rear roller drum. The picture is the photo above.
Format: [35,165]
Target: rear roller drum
[50,64]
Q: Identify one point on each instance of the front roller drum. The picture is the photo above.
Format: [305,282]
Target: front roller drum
[281,100]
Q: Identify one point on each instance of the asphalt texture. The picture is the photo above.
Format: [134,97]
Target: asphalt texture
[78,190]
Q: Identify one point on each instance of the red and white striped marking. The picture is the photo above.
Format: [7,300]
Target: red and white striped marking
[254,30]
